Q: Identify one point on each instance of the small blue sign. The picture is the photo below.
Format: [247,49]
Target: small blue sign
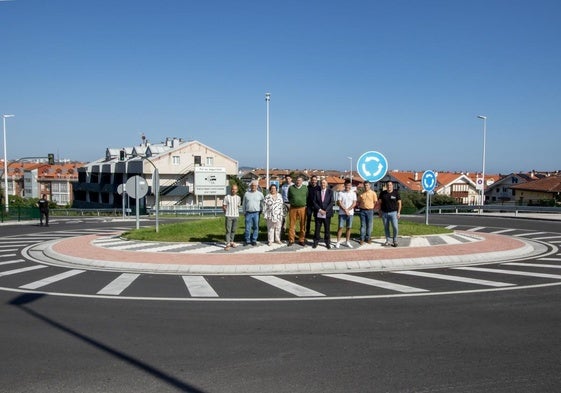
[372,166]
[428,181]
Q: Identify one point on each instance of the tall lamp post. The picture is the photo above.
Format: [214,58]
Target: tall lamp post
[267,100]
[351,173]
[484,118]
[4,117]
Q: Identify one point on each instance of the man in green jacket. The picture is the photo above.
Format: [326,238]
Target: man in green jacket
[297,197]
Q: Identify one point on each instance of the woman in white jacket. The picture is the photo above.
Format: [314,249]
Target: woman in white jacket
[273,212]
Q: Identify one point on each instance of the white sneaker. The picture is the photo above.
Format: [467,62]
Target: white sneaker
[337,245]
[349,245]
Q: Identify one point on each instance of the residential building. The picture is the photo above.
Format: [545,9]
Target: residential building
[537,192]
[176,161]
[33,179]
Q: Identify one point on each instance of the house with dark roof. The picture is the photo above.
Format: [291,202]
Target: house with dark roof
[501,190]
[536,192]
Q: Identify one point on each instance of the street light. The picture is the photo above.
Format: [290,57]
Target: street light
[4,117]
[351,174]
[267,100]
[484,118]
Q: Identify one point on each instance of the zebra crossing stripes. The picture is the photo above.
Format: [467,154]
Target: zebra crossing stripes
[475,229]
[118,285]
[7,255]
[52,279]
[455,278]
[288,286]
[376,283]
[199,287]
[21,270]
[512,272]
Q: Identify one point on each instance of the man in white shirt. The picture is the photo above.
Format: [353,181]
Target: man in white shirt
[231,207]
[346,200]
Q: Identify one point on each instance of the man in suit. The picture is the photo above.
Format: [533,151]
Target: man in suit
[324,200]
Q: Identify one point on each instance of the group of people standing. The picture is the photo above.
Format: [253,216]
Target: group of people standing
[299,205]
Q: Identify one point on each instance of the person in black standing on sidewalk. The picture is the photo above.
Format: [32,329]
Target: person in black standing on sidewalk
[43,204]
[390,211]
[313,186]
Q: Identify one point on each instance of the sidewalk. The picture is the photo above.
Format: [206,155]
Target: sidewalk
[112,253]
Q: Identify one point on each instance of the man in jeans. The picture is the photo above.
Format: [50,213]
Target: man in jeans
[252,206]
[366,202]
[390,210]
[231,207]
[346,200]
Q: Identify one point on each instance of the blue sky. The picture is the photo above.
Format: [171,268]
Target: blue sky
[405,78]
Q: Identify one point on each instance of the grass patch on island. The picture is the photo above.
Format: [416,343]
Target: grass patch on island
[212,230]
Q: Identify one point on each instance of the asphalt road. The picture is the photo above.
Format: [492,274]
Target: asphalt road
[500,341]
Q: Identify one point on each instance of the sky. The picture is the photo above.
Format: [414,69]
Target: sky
[406,78]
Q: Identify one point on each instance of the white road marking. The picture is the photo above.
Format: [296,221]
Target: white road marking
[286,299]
[512,272]
[451,226]
[22,270]
[288,286]
[504,231]
[419,242]
[450,239]
[7,255]
[475,229]
[455,278]
[550,259]
[376,283]
[12,261]
[547,237]
[530,233]
[118,285]
[128,244]
[52,279]
[199,287]
[533,264]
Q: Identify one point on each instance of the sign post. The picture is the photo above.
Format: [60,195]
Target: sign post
[121,190]
[137,188]
[429,183]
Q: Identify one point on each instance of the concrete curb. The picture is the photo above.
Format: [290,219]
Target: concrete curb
[45,253]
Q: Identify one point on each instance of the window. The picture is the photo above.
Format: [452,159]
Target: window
[209,161]
[175,160]
[197,160]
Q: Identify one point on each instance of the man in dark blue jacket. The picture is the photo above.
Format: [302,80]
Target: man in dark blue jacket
[324,200]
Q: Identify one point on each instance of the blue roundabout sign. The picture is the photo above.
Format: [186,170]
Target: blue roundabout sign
[428,181]
[372,166]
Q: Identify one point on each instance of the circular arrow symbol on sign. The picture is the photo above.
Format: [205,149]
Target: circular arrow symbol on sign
[372,166]
[428,181]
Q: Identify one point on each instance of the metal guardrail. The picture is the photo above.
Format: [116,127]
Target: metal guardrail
[492,208]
